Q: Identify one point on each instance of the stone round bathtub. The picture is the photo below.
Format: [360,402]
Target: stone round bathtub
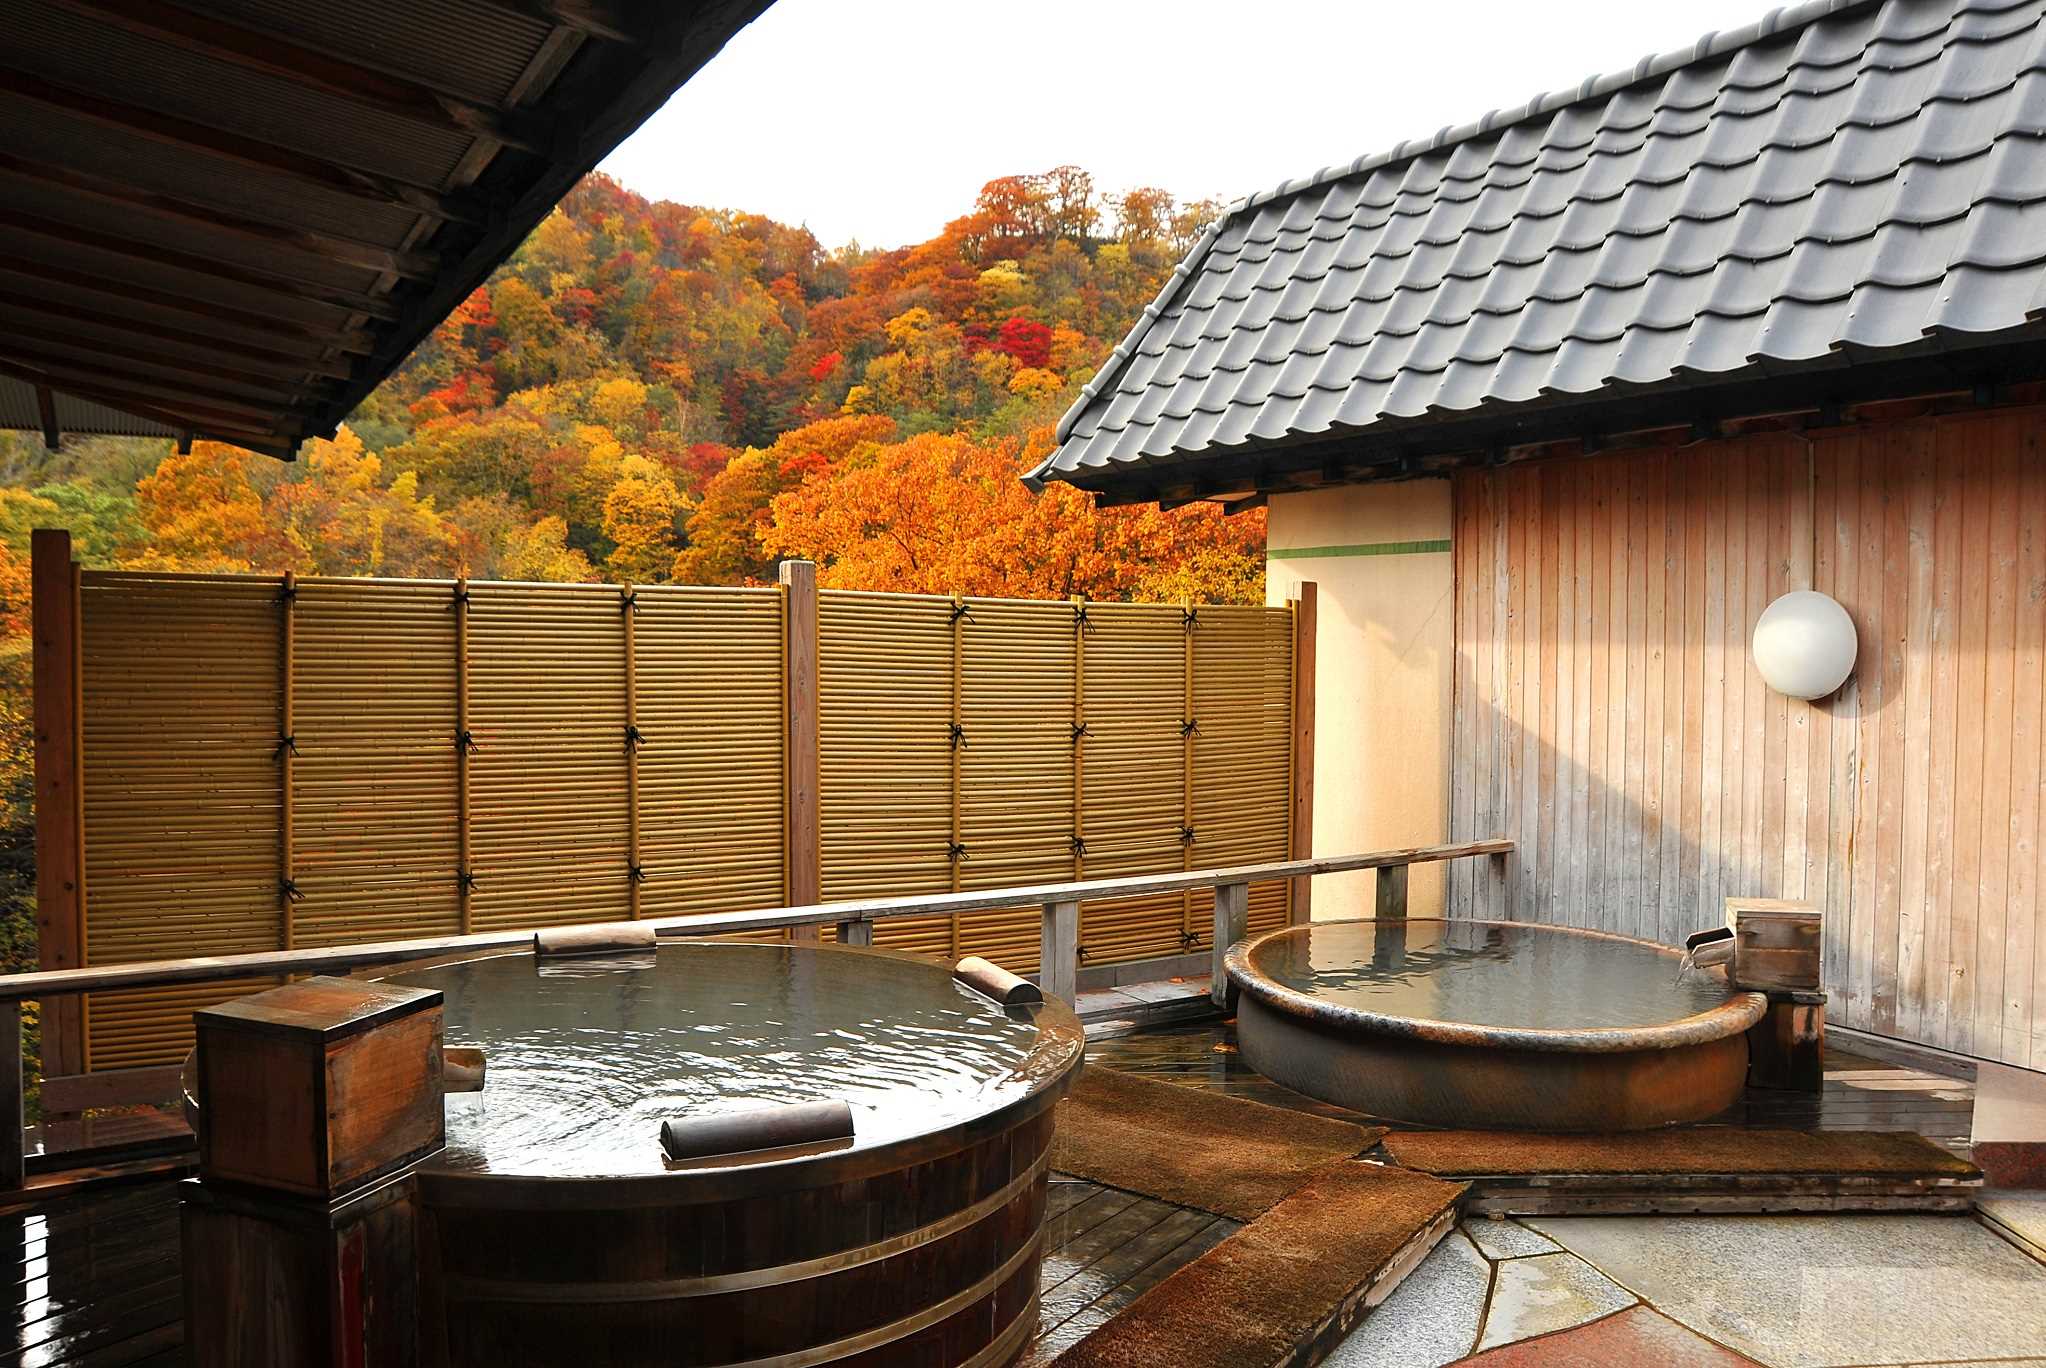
[1490,1025]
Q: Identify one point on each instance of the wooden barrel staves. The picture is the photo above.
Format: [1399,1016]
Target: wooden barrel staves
[922,1249]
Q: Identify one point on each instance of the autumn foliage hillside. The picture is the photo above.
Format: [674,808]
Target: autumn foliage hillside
[652,392]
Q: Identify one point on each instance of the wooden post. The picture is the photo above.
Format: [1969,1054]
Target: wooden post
[1232,924]
[856,933]
[60,805]
[1188,725]
[1787,1047]
[465,877]
[13,1164]
[287,750]
[1058,947]
[799,686]
[628,611]
[1392,892]
[1302,818]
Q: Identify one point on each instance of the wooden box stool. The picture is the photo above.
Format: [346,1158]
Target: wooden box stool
[315,1101]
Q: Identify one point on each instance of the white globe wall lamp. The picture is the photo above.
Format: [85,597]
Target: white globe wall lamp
[1804,645]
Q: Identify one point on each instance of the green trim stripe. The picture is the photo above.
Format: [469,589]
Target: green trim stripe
[1405,548]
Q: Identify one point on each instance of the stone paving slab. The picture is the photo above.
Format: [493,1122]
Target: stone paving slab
[1634,1338]
[1432,1317]
[1544,1293]
[1825,1291]
[1507,1239]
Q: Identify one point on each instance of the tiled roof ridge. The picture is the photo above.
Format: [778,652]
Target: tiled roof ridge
[1711,46]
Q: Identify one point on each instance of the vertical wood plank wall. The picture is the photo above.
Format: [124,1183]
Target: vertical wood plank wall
[1608,718]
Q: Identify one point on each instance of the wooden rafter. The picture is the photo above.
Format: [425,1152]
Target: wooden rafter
[66,374]
[346,339]
[415,265]
[375,87]
[47,316]
[237,149]
[596,18]
[260,375]
[221,426]
[254,278]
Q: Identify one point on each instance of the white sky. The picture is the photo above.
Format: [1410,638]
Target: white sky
[879,120]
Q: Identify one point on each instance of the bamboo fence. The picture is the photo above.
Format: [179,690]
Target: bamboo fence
[276,764]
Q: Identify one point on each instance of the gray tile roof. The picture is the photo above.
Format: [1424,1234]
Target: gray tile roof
[1834,181]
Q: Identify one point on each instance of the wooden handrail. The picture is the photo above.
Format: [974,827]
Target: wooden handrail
[1058,972]
[324,959]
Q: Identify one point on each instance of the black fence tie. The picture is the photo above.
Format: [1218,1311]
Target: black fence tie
[955,851]
[1190,618]
[1080,729]
[464,880]
[637,873]
[1079,844]
[1190,727]
[1186,835]
[290,891]
[1188,940]
[461,597]
[466,741]
[629,601]
[285,744]
[633,738]
[958,736]
[286,593]
[961,610]
[1080,618]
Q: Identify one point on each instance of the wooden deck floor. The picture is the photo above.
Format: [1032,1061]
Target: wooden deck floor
[95,1275]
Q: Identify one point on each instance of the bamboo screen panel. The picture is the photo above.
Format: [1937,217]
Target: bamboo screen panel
[180,692]
[375,807]
[1243,752]
[951,760]
[884,790]
[272,764]
[711,776]
[547,776]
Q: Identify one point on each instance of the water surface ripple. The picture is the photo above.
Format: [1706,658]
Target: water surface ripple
[586,1059]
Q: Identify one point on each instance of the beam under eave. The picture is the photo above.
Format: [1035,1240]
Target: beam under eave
[344,251]
[235,43]
[236,149]
[49,324]
[261,376]
[220,426]
[46,409]
[597,18]
[269,282]
[353,340]
[257,413]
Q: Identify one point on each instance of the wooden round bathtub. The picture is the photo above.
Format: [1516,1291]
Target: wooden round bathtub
[555,1230]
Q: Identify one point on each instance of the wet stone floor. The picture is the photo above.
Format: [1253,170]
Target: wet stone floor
[1722,1291]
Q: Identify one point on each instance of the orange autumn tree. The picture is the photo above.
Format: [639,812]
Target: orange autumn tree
[946,513]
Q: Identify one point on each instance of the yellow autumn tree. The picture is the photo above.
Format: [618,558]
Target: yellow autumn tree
[640,517]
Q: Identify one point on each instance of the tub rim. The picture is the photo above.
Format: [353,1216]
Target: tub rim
[1732,1017]
[1058,1031]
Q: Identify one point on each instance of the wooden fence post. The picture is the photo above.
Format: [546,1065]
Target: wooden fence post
[1058,951]
[60,808]
[13,1148]
[799,685]
[1392,891]
[856,933]
[1302,818]
[1232,924]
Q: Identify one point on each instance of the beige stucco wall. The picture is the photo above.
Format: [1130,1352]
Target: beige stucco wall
[1383,674]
